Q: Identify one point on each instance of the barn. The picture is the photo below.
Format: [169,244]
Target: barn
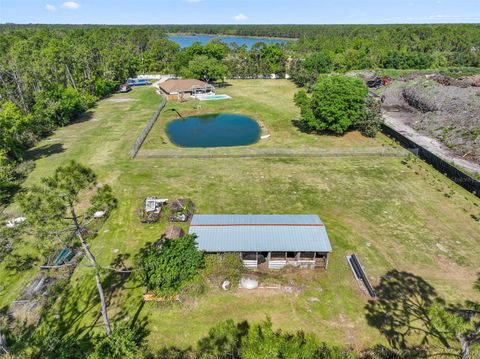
[265,241]
[176,89]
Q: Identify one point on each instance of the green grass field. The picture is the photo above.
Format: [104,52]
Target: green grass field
[407,217]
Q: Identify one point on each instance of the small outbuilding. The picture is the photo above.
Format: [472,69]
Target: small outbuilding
[265,241]
[176,89]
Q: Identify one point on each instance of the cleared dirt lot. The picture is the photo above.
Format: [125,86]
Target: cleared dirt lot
[444,119]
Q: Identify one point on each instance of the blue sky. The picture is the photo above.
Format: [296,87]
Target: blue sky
[239,11]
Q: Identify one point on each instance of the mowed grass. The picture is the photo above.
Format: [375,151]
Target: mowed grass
[270,102]
[395,216]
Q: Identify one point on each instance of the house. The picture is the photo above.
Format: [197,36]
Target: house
[265,241]
[176,89]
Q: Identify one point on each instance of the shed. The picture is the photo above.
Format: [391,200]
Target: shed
[176,89]
[271,241]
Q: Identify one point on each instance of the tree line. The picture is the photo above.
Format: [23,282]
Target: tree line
[50,74]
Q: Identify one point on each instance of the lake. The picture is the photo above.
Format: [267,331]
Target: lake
[188,40]
[217,130]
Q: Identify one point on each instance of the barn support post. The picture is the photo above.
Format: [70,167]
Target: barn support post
[326,262]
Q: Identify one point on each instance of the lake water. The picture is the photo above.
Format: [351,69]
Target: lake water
[188,40]
[218,130]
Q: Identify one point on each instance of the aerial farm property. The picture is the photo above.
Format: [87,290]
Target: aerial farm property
[314,196]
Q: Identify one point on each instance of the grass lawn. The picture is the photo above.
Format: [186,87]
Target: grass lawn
[268,102]
[407,217]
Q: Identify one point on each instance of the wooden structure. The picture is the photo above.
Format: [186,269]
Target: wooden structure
[278,260]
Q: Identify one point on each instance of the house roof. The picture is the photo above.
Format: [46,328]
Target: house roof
[173,85]
[260,233]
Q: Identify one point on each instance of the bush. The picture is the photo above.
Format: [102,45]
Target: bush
[23,169]
[241,340]
[218,269]
[124,343]
[104,87]
[372,121]
[337,103]
[57,106]
[7,178]
[168,269]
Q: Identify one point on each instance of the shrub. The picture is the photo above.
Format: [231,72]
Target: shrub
[124,343]
[241,340]
[371,122]
[218,269]
[171,267]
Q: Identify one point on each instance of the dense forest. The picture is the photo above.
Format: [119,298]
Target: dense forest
[49,74]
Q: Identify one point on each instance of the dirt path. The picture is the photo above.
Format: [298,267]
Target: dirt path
[397,120]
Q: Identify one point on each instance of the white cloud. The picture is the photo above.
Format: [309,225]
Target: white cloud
[50,8]
[70,5]
[240,17]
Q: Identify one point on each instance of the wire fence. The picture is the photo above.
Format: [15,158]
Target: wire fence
[146,130]
[274,152]
[456,175]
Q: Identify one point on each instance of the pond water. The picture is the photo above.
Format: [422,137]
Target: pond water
[216,130]
[188,40]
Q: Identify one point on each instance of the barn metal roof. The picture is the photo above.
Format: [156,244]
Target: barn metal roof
[260,233]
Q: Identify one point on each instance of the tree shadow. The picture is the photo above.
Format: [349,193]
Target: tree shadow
[114,281]
[401,311]
[44,151]
[302,127]
[171,353]
[221,84]
[223,339]
[85,116]
[382,352]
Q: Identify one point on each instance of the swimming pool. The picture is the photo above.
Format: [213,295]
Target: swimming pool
[216,130]
[212,97]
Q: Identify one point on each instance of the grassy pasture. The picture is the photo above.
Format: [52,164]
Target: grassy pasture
[406,217]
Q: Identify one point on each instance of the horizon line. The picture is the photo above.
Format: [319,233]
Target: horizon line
[239,25]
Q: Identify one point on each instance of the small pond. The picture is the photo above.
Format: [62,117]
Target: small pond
[216,130]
